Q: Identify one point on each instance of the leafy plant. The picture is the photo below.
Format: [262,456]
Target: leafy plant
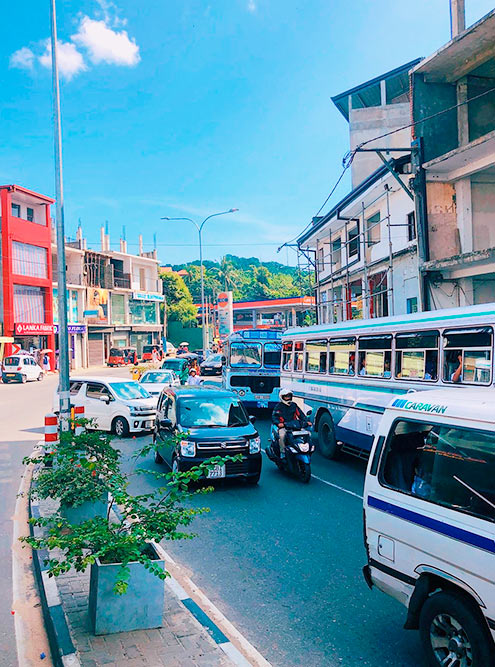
[123,536]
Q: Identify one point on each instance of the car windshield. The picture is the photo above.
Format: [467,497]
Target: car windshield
[157,376]
[209,411]
[129,390]
[214,359]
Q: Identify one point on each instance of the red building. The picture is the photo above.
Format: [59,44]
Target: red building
[26,299]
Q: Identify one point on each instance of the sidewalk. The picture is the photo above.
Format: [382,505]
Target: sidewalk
[181,642]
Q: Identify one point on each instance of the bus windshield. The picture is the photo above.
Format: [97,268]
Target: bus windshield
[245,354]
[273,354]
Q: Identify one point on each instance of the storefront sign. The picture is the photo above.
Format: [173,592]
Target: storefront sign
[225,314]
[33,329]
[147,296]
[97,301]
[73,328]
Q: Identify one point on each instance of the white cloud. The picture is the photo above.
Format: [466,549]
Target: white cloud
[70,61]
[22,58]
[251,6]
[106,45]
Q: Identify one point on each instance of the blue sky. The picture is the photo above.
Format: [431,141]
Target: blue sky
[189,107]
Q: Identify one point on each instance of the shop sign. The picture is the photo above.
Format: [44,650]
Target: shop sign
[147,296]
[33,329]
[97,301]
[225,314]
[73,328]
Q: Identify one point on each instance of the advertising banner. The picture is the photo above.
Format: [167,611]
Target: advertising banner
[33,329]
[97,305]
[225,314]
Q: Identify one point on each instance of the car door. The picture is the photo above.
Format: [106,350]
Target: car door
[97,409]
[27,369]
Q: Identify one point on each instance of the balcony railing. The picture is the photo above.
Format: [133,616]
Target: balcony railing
[123,281]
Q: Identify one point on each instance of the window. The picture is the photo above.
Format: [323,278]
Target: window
[272,355]
[95,390]
[411,226]
[29,304]
[416,356]
[316,356]
[30,214]
[321,259]
[342,356]
[118,309]
[449,466]
[245,354]
[373,229]
[298,356]
[75,387]
[29,260]
[15,210]
[467,355]
[142,312]
[336,253]
[287,356]
[353,240]
[142,279]
[375,356]
[412,305]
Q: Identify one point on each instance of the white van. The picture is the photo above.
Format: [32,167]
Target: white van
[117,405]
[429,508]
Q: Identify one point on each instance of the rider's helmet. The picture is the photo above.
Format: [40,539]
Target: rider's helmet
[285,394]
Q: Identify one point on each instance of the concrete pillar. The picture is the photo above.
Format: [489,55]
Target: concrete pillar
[464,214]
[383,92]
[102,238]
[457,17]
[462,112]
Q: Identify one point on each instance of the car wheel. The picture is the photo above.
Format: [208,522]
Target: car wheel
[327,442]
[158,458]
[120,427]
[453,632]
[23,379]
[40,377]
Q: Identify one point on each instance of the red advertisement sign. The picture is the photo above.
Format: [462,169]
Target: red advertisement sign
[33,329]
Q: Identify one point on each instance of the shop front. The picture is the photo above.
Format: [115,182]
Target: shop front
[77,345]
[35,338]
[144,318]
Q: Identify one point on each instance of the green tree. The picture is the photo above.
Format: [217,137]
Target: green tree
[180,306]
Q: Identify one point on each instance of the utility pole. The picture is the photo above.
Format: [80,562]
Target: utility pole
[63,338]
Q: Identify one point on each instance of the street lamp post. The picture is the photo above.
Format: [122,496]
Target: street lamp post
[63,341]
[199,227]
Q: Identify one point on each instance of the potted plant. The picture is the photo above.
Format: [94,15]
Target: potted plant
[126,578]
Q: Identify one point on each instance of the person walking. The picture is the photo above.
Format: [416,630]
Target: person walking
[46,363]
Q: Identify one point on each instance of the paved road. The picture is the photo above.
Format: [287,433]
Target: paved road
[283,562]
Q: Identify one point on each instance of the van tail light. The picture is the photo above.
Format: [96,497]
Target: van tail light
[19,368]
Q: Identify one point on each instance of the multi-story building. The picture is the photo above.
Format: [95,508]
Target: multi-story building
[365,247]
[26,300]
[457,171]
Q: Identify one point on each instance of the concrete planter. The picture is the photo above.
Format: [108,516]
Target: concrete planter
[88,510]
[141,608]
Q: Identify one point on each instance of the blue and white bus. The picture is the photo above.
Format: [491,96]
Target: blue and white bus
[252,368]
[349,372]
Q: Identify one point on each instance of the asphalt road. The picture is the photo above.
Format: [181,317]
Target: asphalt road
[283,562]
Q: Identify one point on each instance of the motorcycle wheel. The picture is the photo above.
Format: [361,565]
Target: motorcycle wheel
[304,471]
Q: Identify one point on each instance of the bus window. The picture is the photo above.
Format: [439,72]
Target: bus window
[448,466]
[287,356]
[375,356]
[245,354]
[316,356]
[272,352]
[467,355]
[298,356]
[342,356]
[416,356]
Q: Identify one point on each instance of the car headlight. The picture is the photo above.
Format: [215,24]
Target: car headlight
[187,448]
[304,446]
[255,445]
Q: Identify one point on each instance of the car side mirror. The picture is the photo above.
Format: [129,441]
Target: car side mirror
[252,418]
[224,361]
[166,423]
[105,399]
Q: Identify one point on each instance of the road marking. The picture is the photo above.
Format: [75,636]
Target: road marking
[336,486]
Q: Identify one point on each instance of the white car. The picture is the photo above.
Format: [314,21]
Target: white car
[155,381]
[20,368]
[116,405]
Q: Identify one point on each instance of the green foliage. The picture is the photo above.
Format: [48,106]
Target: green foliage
[180,306]
[124,536]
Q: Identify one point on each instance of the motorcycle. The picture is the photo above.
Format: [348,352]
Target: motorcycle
[298,451]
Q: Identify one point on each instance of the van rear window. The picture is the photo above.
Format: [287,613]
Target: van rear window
[11,361]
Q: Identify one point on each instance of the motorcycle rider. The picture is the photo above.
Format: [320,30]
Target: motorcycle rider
[287,416]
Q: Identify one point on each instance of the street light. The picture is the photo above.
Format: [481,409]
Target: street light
[199,227]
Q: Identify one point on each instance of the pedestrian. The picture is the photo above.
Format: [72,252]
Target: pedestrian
[154,355]
[193,379]
[46,363]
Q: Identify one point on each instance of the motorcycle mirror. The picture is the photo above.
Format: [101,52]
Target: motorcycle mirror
[309,413]
[252,418]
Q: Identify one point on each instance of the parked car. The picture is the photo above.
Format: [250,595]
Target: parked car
[212,365]
[116,405]
[21,368]
[180,365]
[122,356]
[171,350]
[148,352]
[214,423]
[155,381]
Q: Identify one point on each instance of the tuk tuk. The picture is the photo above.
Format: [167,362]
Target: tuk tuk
[116,357]
[130,355]
[180,366]
[148,352]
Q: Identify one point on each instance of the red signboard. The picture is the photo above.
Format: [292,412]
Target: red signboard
[33,329]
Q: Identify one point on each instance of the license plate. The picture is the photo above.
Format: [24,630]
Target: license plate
[261,404]
[259,396]
[216,472]
[10,375]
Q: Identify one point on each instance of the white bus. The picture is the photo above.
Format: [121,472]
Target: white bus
[252,366]
[349,372]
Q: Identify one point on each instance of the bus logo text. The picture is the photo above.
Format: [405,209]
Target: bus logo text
[421,407]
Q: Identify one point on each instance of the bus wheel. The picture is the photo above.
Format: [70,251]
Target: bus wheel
[327,442]
[453,632]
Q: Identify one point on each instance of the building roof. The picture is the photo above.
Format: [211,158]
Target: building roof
[30,193]
[373,178]
[367,92]
[269,303]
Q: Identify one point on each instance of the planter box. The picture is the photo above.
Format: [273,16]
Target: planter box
[86,511]
[140,608]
